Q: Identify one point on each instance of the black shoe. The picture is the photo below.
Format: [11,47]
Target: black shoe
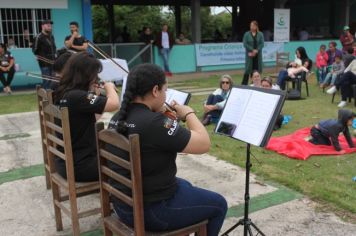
[206,121]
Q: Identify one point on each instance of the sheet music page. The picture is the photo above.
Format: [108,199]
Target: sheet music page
[256,118]
[179,96]
[233,111]
[112,72]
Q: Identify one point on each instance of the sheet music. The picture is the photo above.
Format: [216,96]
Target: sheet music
[112,72]
[234,109]
[178,96]
[255,121]
[247,115]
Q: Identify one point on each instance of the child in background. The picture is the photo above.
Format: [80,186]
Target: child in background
[322,63]
[327,131]
[338,67]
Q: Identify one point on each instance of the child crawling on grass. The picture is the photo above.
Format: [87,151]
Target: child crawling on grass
[327,131]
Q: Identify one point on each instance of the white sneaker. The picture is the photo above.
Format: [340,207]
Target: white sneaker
[331,90]
[342,104]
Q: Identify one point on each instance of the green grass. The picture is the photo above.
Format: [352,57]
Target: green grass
[18,103]
[326,179]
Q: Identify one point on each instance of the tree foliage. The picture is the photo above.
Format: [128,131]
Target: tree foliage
[137,17]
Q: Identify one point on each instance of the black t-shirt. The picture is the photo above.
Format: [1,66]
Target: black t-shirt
[5,59]
[160,140]
[82,107]
[77,42]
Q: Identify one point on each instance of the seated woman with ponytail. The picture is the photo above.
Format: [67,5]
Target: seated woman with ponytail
[169,202]
[78,90]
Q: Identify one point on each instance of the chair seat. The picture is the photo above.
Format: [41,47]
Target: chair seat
[81,187]
[116,225]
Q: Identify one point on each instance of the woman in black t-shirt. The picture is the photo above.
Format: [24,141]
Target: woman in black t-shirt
[78,90]
[169,202]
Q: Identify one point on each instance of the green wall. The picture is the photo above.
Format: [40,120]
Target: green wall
[61,19]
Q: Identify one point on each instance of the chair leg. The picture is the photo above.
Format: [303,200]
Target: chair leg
[107,232]
[74,214]
[57,210]
[333,98]
[48,180]
[306,86]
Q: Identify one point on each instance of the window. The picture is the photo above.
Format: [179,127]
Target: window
[19,26]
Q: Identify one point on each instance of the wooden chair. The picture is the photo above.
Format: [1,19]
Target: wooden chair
[111,223]
[59,146]
[44,95]
[282,58]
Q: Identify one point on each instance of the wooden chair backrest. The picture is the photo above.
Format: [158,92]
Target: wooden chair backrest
[131,146]
[59,144]
[43,95]
[282,58]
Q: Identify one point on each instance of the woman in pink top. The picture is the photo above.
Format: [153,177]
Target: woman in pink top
[322,63]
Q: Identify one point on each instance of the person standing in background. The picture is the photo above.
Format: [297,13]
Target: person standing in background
[346,39]
[75,41]
[164,42]
[253,43]
[44,48]
[147,38]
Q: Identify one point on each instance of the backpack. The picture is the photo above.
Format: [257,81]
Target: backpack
[294,94]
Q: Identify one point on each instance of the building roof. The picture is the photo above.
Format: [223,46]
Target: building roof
[165,2]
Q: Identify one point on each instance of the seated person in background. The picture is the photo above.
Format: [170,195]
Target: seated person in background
[6,67]
[344,83]
[322,63]
[295,69]
[327,131]
[182,40]
[266,83]
[348,57]
[169,202]
[256,79]
[78,90]
[336,70]
[216,101]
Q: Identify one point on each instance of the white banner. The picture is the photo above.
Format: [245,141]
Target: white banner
[281,25]
[231,53]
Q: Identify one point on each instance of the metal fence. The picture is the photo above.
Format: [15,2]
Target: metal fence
[133,53]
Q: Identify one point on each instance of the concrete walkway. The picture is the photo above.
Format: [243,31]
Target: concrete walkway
[26,206]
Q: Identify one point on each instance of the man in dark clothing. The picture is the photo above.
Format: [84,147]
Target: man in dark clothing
[75,41]
[327,131]
[44,47]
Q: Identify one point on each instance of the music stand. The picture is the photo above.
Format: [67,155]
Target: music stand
[243,105]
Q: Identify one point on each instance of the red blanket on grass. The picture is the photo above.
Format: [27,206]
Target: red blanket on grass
[295,146]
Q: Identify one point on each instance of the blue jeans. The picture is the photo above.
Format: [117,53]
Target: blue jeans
[329,77]
[46,84]
[165,56]
[188,206]
[212,100]
[281,81]
[322,73]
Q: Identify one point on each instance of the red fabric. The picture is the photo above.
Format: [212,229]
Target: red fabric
[295,146]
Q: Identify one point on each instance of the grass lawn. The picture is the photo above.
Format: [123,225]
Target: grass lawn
[325,179]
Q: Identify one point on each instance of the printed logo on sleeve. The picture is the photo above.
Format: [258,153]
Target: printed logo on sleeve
[92,97]
[171,125]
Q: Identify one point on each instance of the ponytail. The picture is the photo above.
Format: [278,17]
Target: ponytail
[140,81]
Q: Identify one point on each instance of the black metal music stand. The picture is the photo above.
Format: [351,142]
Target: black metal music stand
[246,221]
